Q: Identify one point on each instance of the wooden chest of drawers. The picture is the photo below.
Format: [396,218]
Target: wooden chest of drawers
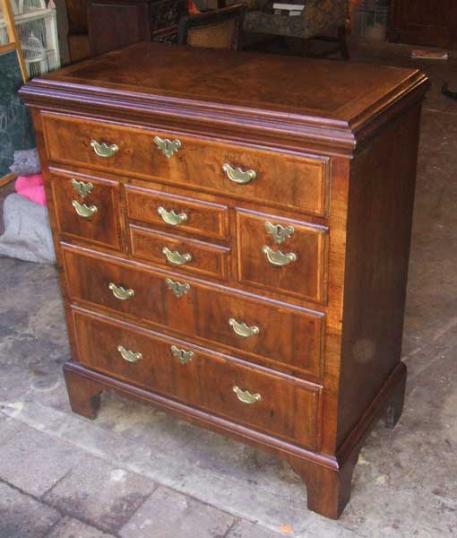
[232,232]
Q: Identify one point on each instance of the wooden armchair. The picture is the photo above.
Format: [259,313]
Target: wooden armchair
[219,28]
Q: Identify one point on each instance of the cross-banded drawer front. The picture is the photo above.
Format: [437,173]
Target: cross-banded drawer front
[282,255]
[176,213]
[271,333]
[88,208]
[186,255]
[200,378]
[269,177]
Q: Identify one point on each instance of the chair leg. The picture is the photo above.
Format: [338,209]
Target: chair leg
[342,38]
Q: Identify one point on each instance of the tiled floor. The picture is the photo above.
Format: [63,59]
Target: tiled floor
[136,472]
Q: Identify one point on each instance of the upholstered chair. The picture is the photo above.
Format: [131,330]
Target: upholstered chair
[325,19]
[220,28]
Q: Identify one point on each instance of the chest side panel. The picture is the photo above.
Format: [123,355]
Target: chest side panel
[381,201]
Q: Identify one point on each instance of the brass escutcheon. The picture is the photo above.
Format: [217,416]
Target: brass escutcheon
[178,288]
[83,188]
[278,232]
[167,147]
[181,354]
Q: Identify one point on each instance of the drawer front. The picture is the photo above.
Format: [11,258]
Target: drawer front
[88,208]
[282,255]
[184,254]
[200,378]
[178,213]
[283,337]
[268,177]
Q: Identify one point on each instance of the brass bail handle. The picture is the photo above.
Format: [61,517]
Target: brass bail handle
[104,150]
[238,175]
[245,396]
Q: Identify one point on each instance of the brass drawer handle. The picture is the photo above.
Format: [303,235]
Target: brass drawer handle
[104,150]
[241,329]
[121,293]
[278,232]
[82,188]
[178,288]
[83,210]
[175,257]
[237,175]
[182,355]
[245,396]
[171,217]
[278,258]
[167,147]
[129,355]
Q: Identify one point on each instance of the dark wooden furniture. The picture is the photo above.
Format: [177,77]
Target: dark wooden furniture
[216,29]
[232,253]
[424,22]
[322,20]
[78,34]
[114,24]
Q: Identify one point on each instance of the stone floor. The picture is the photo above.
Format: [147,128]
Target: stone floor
[136,472]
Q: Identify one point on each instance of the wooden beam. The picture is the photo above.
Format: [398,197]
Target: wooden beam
[5,180]
[9,47]
[13,37]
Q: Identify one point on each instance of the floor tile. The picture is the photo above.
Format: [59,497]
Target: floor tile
[34,461]
[167,514]
[246,529]
[98,493]
[22,516]
[72,528]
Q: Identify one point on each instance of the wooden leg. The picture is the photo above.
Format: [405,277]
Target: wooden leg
[395,406]
[328,490]
[84,394]
[343,42]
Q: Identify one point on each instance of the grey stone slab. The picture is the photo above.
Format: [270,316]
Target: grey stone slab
[210,467]
[323,528]
[8,428]
[101,494]
[72,528]
[168,514]
[247,529]
[22,516]
[34,461]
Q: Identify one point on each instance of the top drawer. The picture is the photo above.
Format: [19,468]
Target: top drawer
[268,177]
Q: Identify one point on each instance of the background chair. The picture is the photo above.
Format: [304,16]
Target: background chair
[322,19]
[219,28]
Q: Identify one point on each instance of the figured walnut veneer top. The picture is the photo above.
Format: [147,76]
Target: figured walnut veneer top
[329,94]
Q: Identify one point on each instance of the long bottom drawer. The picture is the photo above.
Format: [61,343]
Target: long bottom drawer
[274,404]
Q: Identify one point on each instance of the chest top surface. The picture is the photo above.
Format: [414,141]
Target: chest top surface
[294,93]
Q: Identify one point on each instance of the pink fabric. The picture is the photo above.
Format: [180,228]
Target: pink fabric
[32,188]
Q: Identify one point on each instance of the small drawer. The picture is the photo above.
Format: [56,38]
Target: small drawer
[273,404]
[271,333]
[282,255]
[272,177]
[88,208]
[174,212]
[187,255]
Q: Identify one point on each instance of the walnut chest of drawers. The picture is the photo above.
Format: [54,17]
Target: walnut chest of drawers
[232,233]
